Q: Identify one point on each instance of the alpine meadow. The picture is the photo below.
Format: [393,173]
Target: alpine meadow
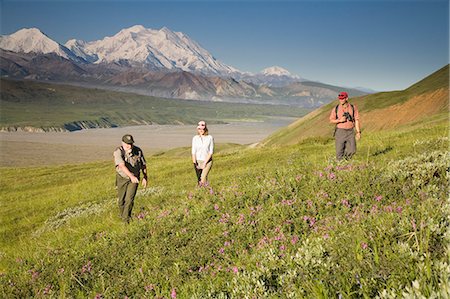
[280,220]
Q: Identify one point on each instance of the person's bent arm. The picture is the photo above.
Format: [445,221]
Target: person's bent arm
[343,119]
[358,129]
[193,151]
[210,152]
[335,120]
[144,179]
[207,159]
[132,177]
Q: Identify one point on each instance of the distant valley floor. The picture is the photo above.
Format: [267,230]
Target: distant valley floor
[21,149]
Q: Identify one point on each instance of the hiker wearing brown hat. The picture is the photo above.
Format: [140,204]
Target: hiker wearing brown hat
[346,118]
[129,160]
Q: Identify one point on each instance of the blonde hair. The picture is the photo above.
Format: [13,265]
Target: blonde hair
[205,129]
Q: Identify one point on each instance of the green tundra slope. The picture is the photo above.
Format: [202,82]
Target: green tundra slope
[424,102]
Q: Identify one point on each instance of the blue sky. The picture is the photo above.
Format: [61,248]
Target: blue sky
[383,45]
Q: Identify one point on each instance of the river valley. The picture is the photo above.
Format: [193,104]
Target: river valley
[21,149]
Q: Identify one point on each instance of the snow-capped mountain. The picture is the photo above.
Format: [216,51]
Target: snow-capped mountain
[278,71]
[140,47]
[77,48]
[136,46]
[156,49]
[272,76]
[32,40]
[161,63]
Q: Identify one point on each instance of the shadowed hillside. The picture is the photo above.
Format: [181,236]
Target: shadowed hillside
[426,101]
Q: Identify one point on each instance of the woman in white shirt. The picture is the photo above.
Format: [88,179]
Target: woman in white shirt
[202,151]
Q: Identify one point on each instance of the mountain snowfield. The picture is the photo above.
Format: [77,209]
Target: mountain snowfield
[34,41]
[274,76]
[136,46]
[156,49]
[278,71]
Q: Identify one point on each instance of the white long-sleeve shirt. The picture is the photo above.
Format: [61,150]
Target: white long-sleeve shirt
[202,146]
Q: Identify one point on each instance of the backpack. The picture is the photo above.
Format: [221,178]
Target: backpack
[353,113]
[336,112]
[137,151]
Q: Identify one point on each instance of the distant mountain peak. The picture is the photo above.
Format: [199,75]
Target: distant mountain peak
[165,29]
[26,31]
[73,42]
[155,49]
[33,40]
[135,28]
[28,40]
[277,71]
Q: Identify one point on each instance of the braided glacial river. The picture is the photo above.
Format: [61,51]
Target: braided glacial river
[58,148]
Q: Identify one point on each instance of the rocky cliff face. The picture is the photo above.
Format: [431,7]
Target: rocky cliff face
[32,129]
[71,126]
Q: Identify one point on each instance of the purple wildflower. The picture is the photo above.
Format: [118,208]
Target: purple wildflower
[345,203]
[388,209]
[225,218]
[141,215]
[47,289]
[87,267]
[241,219]
[287,202]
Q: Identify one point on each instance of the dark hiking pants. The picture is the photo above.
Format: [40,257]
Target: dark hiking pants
[126,191]
[345,143]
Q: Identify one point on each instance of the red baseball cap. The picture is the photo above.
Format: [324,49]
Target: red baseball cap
[343,95]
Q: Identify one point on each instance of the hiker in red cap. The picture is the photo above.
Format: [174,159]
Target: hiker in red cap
[346,118]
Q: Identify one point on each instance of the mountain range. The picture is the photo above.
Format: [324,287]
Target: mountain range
[153,62]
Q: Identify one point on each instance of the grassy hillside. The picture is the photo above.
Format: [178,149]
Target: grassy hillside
[426,100]
[42,105]
[285,222]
